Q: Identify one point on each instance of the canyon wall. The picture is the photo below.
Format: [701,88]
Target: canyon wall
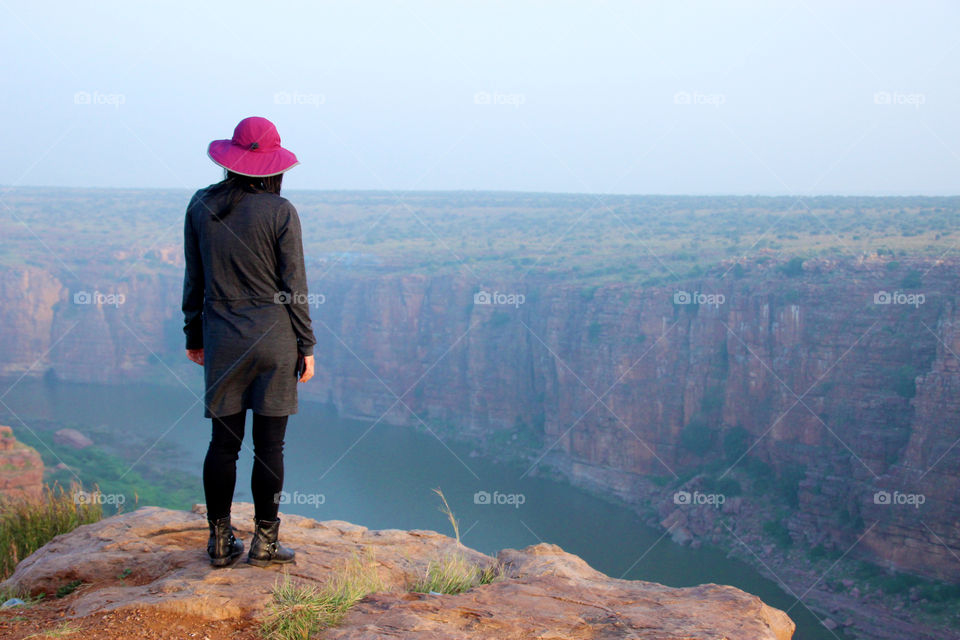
[843,375]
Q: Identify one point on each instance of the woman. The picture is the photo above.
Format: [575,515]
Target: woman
[247,323]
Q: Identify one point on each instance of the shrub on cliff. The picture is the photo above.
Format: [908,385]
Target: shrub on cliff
[736,442]
[912,280]
[788,483]
[792,268]
[904,381]
[779,532]
[697,436]
[28,524]
[726,486]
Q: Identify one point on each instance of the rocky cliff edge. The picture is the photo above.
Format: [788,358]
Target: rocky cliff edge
[151,564]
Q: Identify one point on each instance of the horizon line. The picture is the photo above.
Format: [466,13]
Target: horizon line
[512,191]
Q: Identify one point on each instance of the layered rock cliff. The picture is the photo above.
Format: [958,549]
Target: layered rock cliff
[835,376]
[21,468]
[146,572]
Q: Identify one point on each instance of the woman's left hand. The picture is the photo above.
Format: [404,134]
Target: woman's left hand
[196,355]
[307,368]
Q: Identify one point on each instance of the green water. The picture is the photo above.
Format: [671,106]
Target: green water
[383,476]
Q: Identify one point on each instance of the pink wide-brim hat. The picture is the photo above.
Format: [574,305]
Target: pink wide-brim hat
[253,151]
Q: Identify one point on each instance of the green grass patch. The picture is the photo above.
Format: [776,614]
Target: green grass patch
[62,630]
[16,591]
[299,610]
[454,573]
[28,524]
[68,588]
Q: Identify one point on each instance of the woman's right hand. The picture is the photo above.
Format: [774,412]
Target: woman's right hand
[307,368]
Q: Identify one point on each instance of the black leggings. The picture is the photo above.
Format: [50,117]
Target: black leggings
[220,465]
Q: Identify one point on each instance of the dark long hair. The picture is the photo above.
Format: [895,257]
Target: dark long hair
[237,186]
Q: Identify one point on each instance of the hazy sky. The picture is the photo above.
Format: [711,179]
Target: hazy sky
[612,97]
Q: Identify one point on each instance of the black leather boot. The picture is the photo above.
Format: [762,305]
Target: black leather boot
[265,550]
[223,547]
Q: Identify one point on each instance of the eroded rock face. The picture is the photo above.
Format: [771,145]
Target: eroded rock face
[545,592]
[21,468]
[856,397]
[31,297]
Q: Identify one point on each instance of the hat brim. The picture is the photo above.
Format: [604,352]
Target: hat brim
[256,164]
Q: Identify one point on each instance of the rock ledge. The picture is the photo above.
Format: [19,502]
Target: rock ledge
[546,593]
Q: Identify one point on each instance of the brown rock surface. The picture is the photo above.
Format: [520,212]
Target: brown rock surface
[546,593]
[7,441]
[21,468]
[551,594]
